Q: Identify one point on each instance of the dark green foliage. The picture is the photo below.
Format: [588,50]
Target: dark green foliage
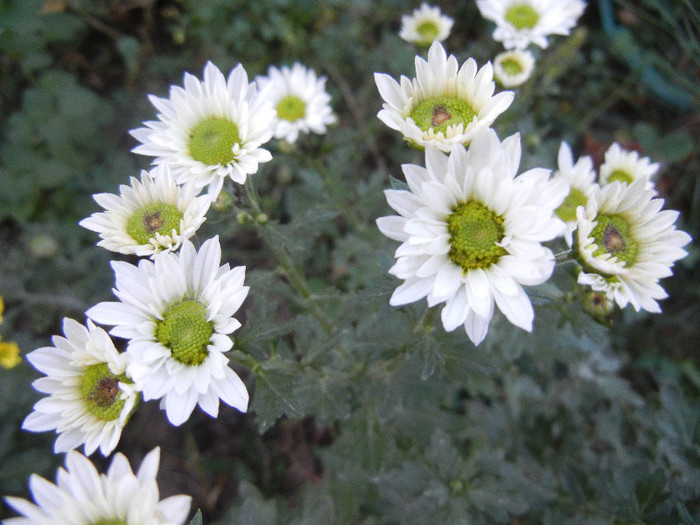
[361,412]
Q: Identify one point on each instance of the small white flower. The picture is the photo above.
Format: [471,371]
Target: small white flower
[520,23]
[626,166]
[148,216]
[626,244]
[445,105]
[210,129]
[90,396]
[513,68]
[581,180]
[177,312]
[425,26]
[301,101]
[471,233]
[83,496]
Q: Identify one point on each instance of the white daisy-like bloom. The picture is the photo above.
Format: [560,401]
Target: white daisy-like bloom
[471,233]
[626,166]
[513,68]
[580,177]
[445,105]
[90,396]
[148,216]
[425,26]
[83,496]
[177,311]
[301,101]
[210,129]
[520,23]
[626,244]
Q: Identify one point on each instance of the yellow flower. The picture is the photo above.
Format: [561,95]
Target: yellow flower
[9,355]
[2,308]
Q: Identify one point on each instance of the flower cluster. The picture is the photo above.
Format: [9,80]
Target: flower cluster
[175,308]
[472,231]
[520,24]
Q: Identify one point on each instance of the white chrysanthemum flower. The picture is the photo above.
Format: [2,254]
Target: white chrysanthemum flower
[520,23]
[177,312]
[513,68]
[210,129]
[581,180]
[471,233]
[626,166]
[148,216]
[301,101]
[425,26]
[445,105]
[625,244]
[83,496]
[90,397]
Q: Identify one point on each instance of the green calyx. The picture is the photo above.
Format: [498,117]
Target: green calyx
[567,210]
[440,112]
[186,332]
[522,16]
[160,218]
[511,66]
[612,235]
[212,141]
[428,32]
[474,231]
[99,387]
[621,176]
[291,108]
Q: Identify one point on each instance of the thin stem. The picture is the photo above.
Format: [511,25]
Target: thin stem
[296,279]
[564,257]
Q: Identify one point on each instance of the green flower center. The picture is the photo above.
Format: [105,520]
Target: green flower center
[212,141]
[567,210]
[522,16]
[99,387]
[186,332]
[115,521]
[161,218]
[428,32]
[474,231]
[612,235]
[440,112]
[622,176]
[291,108]
[511,66]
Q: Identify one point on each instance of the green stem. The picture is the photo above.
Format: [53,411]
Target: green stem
[564,257]
[285,262]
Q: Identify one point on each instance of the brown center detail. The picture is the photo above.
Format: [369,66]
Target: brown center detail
[106,392]
[614,242]
[152,221]
[440,115]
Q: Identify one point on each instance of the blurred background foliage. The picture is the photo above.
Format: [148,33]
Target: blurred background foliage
[362,413]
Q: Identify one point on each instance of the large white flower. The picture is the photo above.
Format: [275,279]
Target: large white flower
[513,68]
[626,166]
[626,244]
[580,177]
[445,105]
[83,496]
[520,23]
[210,129]
[148,216]
[177,312]
[90,398]
[425,26]
[301,101]
[471,233]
